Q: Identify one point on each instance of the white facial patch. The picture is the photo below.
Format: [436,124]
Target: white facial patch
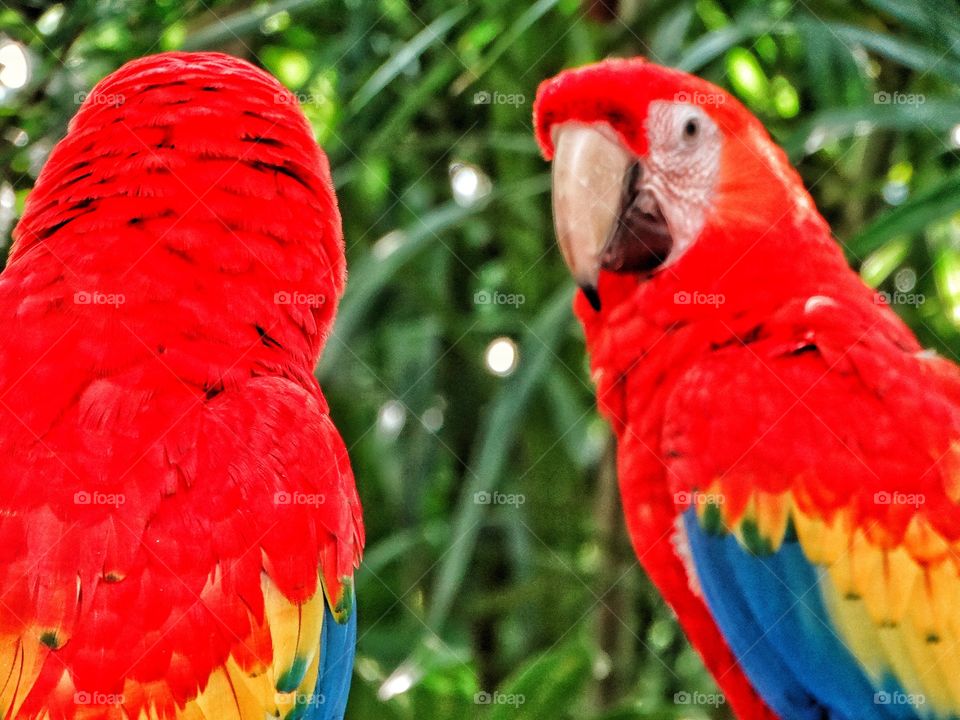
[682,164]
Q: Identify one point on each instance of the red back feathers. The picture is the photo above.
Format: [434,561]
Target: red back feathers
[177,508]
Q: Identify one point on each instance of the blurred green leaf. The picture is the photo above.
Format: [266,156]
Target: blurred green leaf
[431,35]
[911,217]
[906,52]
[544,685]
[494,443]
[513,33]
[220,30]
[932,117]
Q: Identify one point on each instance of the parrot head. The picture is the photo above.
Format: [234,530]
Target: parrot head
[649,163]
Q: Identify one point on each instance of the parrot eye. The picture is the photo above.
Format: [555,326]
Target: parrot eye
[691,128]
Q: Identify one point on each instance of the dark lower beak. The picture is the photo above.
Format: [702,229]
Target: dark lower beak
[606,216]
[639,240]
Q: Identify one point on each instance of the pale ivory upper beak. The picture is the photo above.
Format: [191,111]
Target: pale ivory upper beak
[588,175]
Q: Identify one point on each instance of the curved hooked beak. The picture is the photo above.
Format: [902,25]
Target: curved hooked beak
[605,214]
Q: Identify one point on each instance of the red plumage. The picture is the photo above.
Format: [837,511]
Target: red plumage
[172,282]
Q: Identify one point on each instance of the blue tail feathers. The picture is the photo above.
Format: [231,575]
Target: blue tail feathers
[338,645]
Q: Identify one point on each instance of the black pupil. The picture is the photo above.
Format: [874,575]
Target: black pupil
[690,129]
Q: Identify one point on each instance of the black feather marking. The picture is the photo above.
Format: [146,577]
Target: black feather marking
[805,348]
[211,391]
[262,140]
[266,339]
[262,166]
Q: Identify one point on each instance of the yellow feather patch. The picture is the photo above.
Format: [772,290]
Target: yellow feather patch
[20,661]
[893,601]
[232,692]
[235,693]
[893,608]
[295,633]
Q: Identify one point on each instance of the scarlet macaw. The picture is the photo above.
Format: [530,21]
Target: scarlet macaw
[788,455]
[179,525]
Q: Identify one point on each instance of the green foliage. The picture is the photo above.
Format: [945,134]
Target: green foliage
[497,568]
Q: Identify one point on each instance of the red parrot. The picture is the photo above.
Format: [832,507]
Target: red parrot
[788,455]
[179,525]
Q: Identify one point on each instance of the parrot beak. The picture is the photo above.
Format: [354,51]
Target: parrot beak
[604,214]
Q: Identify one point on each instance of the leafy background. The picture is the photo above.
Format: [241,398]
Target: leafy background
[528,603]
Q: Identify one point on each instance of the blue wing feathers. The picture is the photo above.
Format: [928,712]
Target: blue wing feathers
[770,610]
[760,661]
